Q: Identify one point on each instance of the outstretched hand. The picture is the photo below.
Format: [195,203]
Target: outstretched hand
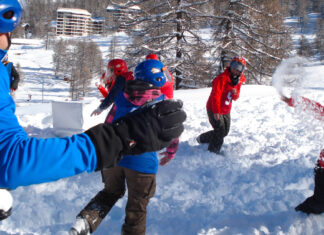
[96,112]
[167,158]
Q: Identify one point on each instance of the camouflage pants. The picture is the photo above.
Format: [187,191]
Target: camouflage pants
[215,137]
[141,187]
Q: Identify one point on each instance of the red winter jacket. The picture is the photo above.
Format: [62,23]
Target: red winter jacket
[221,96]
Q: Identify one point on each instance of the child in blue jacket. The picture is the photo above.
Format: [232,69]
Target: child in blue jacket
[138,172]
[25,161]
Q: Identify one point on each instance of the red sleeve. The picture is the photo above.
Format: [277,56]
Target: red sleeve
[103,91]
[291,102]
[314,106]
[216,94]
[308,104]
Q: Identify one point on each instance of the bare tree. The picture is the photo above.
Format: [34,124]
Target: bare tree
[79,62]
[319,41]
[59,56]
[170,28]
[304,48]
[254,29]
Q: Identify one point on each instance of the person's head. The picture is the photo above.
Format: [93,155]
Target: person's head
[115,68]
[10,15]
[237,66]
[151,71]
[152,57]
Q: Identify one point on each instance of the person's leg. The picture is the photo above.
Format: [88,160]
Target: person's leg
[206,137]
[315,203]
[221,129]
[101,204]
[141,187]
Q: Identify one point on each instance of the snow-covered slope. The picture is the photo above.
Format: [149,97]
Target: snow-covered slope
[264,171]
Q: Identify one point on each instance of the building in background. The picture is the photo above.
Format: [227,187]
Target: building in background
[98,25]
[77,22]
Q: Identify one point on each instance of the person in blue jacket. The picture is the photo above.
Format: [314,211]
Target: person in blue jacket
[25,160]
[139,173]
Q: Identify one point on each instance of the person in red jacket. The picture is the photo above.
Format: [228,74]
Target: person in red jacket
[315,203]
[117,73]
[225,88]
[167,88]
[108,77]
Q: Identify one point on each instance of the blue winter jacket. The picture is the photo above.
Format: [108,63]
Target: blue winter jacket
[25,160]
[147,162]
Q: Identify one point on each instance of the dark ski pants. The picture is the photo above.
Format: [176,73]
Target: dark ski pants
[141,187]
[215,137]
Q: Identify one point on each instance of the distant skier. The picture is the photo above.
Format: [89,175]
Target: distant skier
[138,172]
[315,203]
[225,88]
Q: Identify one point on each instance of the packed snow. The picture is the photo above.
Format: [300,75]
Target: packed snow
[264,170]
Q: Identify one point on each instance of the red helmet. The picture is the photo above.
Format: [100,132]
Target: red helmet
[240,59]
[117,66]
[238,63]
[152,57]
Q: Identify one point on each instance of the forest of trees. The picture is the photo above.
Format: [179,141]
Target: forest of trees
[78,62]
[176,30]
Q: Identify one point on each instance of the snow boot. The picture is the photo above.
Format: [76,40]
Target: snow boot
[315,203]
[204,138]
[81,227]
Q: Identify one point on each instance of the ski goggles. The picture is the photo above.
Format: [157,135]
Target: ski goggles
[237,65]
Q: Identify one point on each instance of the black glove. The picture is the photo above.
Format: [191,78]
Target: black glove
[151,128]
[147,129]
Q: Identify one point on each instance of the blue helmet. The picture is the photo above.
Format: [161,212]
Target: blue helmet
[10,15]
[152,71]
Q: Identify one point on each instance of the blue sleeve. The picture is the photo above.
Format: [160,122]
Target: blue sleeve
[9,67]
[26,161]
[115,90]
